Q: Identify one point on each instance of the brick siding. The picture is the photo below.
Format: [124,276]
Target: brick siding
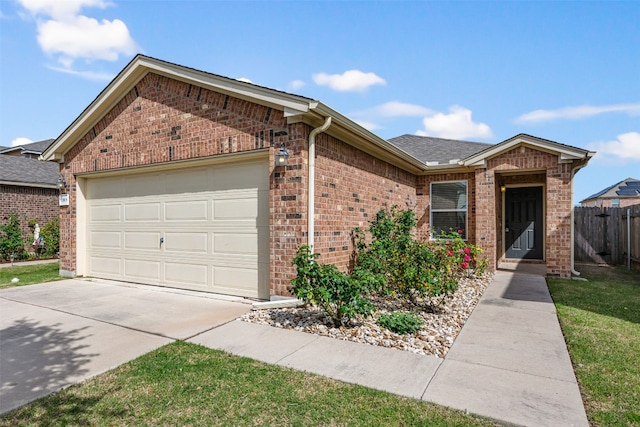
[29,203]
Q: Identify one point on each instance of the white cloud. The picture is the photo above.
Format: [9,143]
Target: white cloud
[349,81]
[20,141]
[625,147]
[83,37]
[458,124]
[297,84]
[244,79]
[67,35]
[578,112]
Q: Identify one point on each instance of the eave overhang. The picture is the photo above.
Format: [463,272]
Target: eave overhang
[29,184]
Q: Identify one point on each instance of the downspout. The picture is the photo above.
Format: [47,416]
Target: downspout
[311,208]
[574,170]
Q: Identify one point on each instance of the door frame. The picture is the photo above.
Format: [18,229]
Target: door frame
[542,219]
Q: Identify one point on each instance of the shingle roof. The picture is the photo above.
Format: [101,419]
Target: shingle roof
[629,187]
[24,171]
[37,147]
[429,149]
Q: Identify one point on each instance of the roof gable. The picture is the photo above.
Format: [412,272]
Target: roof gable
[139,67]
[565,153]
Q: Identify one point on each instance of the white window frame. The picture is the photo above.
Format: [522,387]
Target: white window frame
[465,210]
[615,202]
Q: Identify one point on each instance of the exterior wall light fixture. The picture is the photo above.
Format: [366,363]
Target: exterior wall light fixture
[282,156]
[62,183]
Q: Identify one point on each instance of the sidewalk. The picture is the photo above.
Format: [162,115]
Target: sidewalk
[509,363]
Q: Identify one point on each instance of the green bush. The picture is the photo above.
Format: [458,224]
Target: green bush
[11,239]
[51,237]
[399,263]
[400,323]
[339,295]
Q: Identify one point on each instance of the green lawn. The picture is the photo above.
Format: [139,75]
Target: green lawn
[600,320]
[29,274]
[186,384]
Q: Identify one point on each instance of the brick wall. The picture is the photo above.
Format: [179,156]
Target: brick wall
[40,204]
[350,187]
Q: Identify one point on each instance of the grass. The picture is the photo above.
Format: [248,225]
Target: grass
[600,320]
[187,384]
[29,274]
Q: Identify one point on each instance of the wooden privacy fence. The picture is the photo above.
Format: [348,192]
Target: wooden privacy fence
[600,235]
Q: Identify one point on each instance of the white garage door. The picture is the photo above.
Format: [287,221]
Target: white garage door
[203,228]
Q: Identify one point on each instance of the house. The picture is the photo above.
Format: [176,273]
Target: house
[620,195]
[29,188]
[172,181]
[32,150]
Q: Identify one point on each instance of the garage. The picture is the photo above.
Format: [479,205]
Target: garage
[201,228]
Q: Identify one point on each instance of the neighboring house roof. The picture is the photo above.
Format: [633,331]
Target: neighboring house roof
[37,147]
[403,151]
[432,150]
[629,187]
[26,172]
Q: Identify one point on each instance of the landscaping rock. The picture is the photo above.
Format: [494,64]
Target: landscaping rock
[442,323]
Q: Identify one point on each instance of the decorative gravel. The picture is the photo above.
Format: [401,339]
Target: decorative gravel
[441,324]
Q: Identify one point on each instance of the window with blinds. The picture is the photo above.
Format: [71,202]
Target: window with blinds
[448,208]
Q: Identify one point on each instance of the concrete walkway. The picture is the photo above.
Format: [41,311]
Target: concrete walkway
[509,363]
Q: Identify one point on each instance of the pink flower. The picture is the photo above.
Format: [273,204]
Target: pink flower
[449,253]
[467,251]
[465,265]
[461,231]
[467,258]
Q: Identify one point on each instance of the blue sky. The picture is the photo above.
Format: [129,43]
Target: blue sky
[480,71]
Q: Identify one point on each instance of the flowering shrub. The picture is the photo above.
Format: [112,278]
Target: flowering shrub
[458,258]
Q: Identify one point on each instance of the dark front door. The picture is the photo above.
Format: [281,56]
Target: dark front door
[523,222]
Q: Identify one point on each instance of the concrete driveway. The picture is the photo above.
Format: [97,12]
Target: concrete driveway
[56,334]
